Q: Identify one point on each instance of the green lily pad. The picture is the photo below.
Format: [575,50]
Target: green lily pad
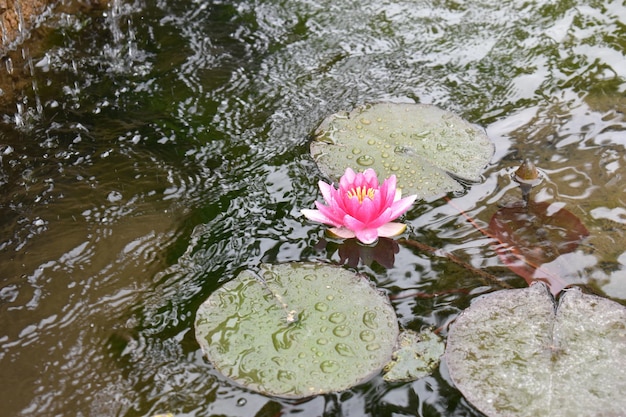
[417,356]
[516,353]
[420,144]
[297,329]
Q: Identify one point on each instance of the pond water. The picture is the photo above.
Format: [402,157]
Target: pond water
[149,151]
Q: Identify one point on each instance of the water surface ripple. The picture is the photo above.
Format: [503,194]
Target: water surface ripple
[149,151]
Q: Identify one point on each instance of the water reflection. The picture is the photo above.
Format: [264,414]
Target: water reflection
[353,253]
[148,152]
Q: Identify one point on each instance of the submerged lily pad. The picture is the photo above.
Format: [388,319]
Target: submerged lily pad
[516,353]
[297,329]
[420,144]
[417,356]
[533,238]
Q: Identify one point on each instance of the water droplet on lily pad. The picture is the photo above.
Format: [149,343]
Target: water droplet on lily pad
[321,306]
[329,367]
[342,331]
[421,135]
[244,331]
[365,160]
[337,317]
[518,353]
[372,347]
[344,349]
[367,335]
[369,319]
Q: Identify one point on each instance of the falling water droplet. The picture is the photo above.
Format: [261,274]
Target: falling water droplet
[9,65]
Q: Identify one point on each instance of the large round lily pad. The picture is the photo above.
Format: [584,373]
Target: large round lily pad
[420,144]
[516,353]
[297,329]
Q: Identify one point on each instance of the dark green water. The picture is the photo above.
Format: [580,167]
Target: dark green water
[158,148]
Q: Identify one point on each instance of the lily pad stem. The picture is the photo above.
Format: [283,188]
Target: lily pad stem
[291,316]
[492,279]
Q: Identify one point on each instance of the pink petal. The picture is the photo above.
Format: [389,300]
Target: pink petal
[326,190]
[353,223]
[388,190]
[390,184]
[316,216]
[341,200]
[367,236]
[391,229]
[382,218]
[337,200]
[375,217]
[347,179]
[398,195]
[351,205]
[332,213]
[356,181]
[379,201]
[387,196]
[402,206]
[366,211]
[369,175]
[359,180]
[341,232]
[366,219]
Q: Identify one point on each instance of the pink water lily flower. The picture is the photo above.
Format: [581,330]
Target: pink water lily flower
[360,207]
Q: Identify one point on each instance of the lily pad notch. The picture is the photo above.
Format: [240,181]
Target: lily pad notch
[428,149]
[517,353]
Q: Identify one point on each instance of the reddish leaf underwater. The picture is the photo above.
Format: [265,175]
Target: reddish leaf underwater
[532,239]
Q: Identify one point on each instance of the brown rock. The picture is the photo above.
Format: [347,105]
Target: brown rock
[17,18]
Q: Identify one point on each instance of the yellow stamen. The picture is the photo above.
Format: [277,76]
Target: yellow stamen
[361,193]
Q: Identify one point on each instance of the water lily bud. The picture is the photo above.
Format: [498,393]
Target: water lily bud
[527,173]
